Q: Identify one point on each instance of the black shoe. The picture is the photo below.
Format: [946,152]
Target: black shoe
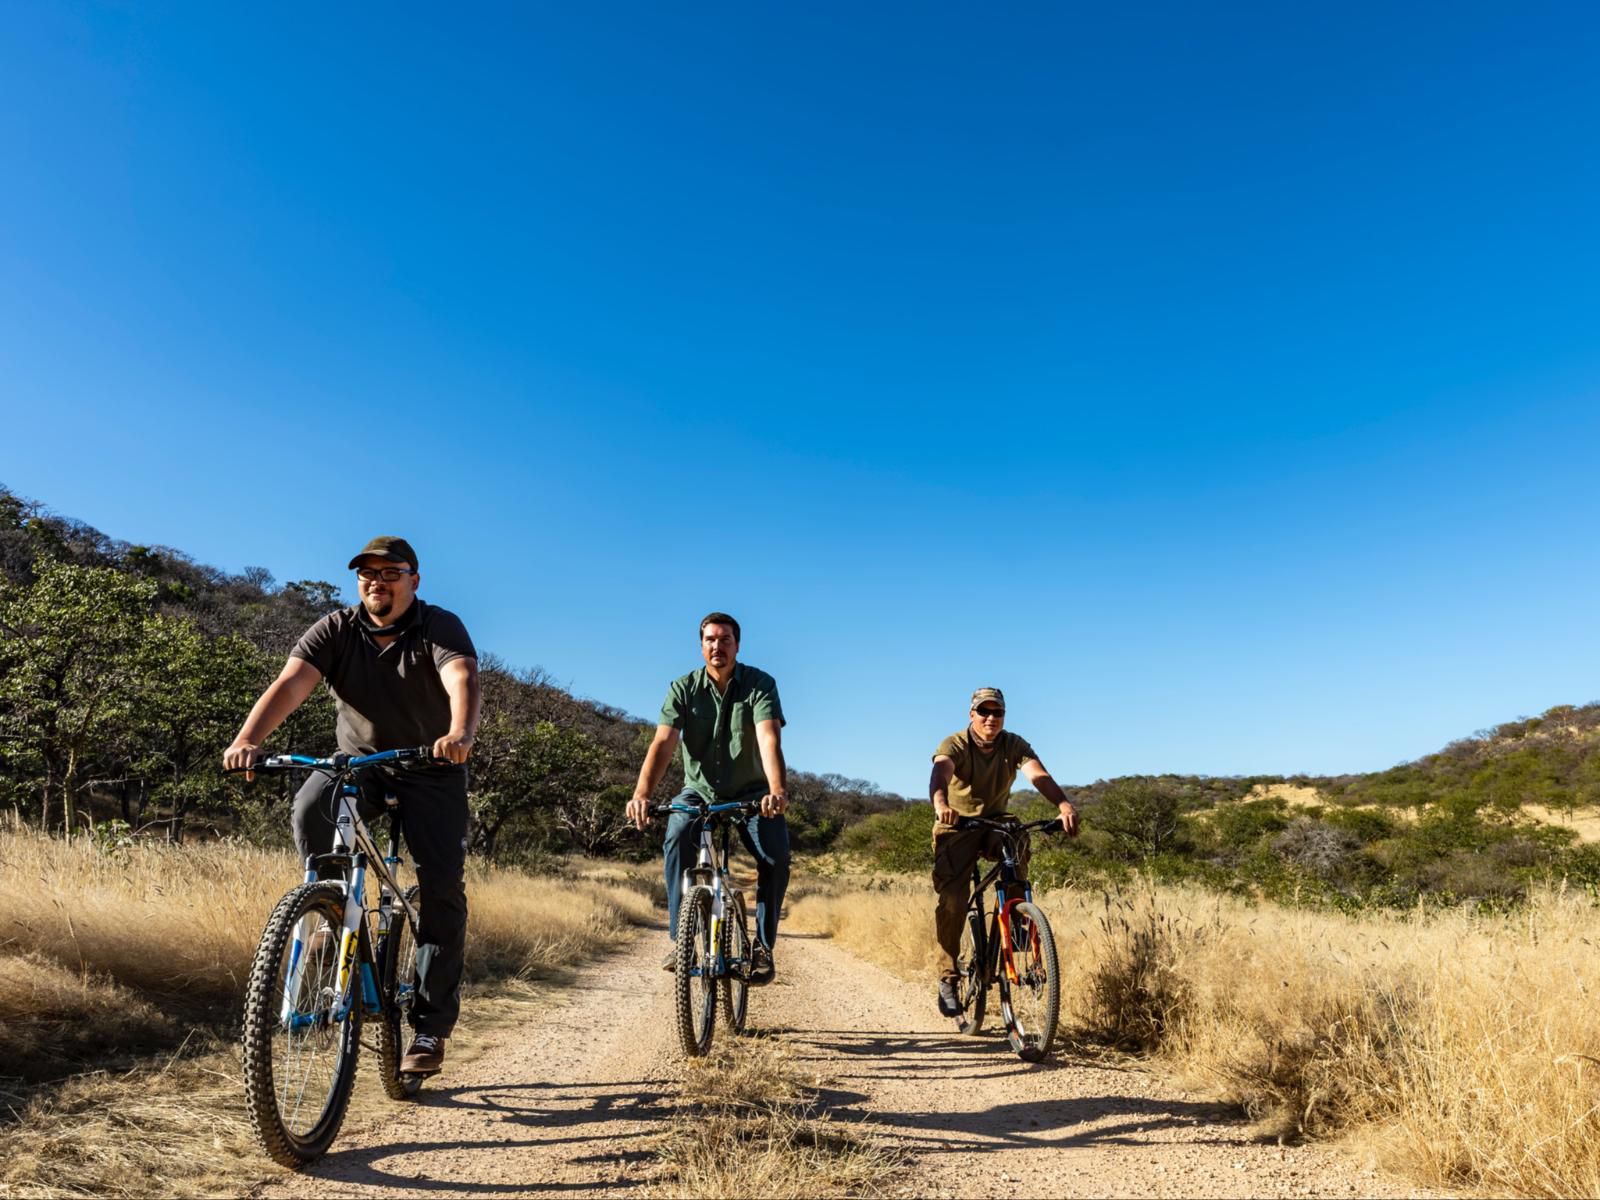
[761,968]
[949,1005]
[670,962]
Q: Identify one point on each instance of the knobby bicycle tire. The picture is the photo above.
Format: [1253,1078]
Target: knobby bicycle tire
[972,988]
[734,990]
[273,1066]
[694,981]
[397,964]
[1038,990]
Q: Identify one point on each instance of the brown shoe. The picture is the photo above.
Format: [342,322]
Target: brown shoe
[426,1056]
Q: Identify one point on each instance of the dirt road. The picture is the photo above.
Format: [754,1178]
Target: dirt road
[568,1104]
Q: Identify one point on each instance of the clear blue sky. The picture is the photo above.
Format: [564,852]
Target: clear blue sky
[1222,381]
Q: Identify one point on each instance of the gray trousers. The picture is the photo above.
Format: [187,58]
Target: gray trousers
[433,824]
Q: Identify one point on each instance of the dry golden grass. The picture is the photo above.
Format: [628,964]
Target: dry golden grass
[107,956]
[1464,1049]
[750,1125]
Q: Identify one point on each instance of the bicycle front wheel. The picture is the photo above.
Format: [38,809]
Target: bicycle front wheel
[694,977]
[1032,1004]
[397,984]
[972,988]
[735,988]
[301,1035]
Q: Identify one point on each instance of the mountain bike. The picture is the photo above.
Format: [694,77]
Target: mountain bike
[1013,949]
[713,943]
[328,958]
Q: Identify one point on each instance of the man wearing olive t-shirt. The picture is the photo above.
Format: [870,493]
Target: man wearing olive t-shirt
[404,673]
[973,771]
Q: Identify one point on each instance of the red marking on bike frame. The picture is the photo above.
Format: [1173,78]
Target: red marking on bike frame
[1005,939]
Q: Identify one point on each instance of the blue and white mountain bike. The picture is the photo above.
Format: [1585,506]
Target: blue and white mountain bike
[330,956]
[713,935]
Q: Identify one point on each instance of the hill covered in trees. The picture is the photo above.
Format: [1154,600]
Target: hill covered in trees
[125,669]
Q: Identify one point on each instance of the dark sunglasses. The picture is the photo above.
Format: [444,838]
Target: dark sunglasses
[387,574]
[991,711]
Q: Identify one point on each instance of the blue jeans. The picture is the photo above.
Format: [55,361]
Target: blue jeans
[767,839]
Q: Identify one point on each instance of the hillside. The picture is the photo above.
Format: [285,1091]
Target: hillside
[125,668]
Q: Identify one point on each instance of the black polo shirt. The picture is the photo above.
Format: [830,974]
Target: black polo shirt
[389,697]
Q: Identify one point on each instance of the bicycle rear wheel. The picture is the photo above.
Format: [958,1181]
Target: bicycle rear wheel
[397,985]
[734,989]
[694,978]
[1031,1005]
[972,988]
[299,1052]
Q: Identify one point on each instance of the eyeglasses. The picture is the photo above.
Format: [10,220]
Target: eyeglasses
[387,574]
[990,712]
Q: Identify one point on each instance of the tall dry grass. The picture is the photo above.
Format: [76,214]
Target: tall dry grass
[1465,1049]
[121,977]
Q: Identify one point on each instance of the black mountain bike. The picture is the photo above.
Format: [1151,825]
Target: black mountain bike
[329,957]
[1013,949]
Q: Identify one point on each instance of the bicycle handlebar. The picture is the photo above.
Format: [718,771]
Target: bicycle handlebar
[1044,826]
[339,762]
[705,808]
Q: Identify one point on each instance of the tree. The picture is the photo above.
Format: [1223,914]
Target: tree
[528,770]
[1141,815]
[69,670]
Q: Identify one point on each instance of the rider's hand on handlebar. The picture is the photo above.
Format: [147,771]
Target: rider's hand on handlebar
[945,815]
[639,811]
[455,746]
[1069,820]
[773,804]
[241,756]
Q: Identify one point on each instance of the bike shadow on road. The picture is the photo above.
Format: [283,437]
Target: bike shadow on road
[914,1052]
[532,1115]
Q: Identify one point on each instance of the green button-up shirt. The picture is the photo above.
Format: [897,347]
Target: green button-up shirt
[721,760]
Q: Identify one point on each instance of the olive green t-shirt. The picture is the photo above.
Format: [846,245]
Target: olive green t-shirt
[721,760]
[982,783]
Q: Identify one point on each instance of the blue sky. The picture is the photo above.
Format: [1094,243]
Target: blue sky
[1220,381]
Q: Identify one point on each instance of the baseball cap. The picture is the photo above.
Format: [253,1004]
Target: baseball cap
[994,694]
[395,549]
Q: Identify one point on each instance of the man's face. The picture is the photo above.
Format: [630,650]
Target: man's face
[988,718]
[718,646]
[385,598]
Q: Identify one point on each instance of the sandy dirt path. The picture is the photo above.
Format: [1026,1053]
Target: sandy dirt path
[569,1103]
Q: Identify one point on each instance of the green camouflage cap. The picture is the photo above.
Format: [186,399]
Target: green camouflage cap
[982,694]
[395,549]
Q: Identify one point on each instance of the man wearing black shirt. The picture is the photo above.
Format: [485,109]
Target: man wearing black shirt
[404,673]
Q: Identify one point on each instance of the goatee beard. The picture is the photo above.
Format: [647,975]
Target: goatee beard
[380,613]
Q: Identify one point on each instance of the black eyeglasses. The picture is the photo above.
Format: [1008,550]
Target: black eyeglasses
[991,712]
[387,574]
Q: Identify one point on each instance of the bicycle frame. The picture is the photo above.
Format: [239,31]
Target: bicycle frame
[711,868]
[356,851]
[1003,875]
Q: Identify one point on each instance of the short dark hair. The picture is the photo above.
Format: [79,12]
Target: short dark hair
[719,618]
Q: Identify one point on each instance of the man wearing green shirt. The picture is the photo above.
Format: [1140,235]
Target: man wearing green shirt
[973,771]
[728,718]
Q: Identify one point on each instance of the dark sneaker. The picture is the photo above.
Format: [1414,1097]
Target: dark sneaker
[426,1056]
[670,962]
[761,968]
[949,1005]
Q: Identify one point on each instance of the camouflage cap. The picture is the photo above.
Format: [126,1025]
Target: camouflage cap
[982,694]
[395,549]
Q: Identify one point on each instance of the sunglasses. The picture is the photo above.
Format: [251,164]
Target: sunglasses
[387,574]
[990,711]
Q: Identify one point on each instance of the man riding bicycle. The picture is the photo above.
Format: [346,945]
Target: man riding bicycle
[404,673]
[728,718]
[973,771]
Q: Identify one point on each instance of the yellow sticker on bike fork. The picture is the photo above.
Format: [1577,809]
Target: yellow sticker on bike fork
[347,958]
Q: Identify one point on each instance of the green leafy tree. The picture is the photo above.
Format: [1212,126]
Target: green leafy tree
[540,770]
[70,671]
[1142,817]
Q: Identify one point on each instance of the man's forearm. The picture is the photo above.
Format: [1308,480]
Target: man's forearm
[1051,791]
[280,699]
[656,760]
[777,771]
[466,701]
